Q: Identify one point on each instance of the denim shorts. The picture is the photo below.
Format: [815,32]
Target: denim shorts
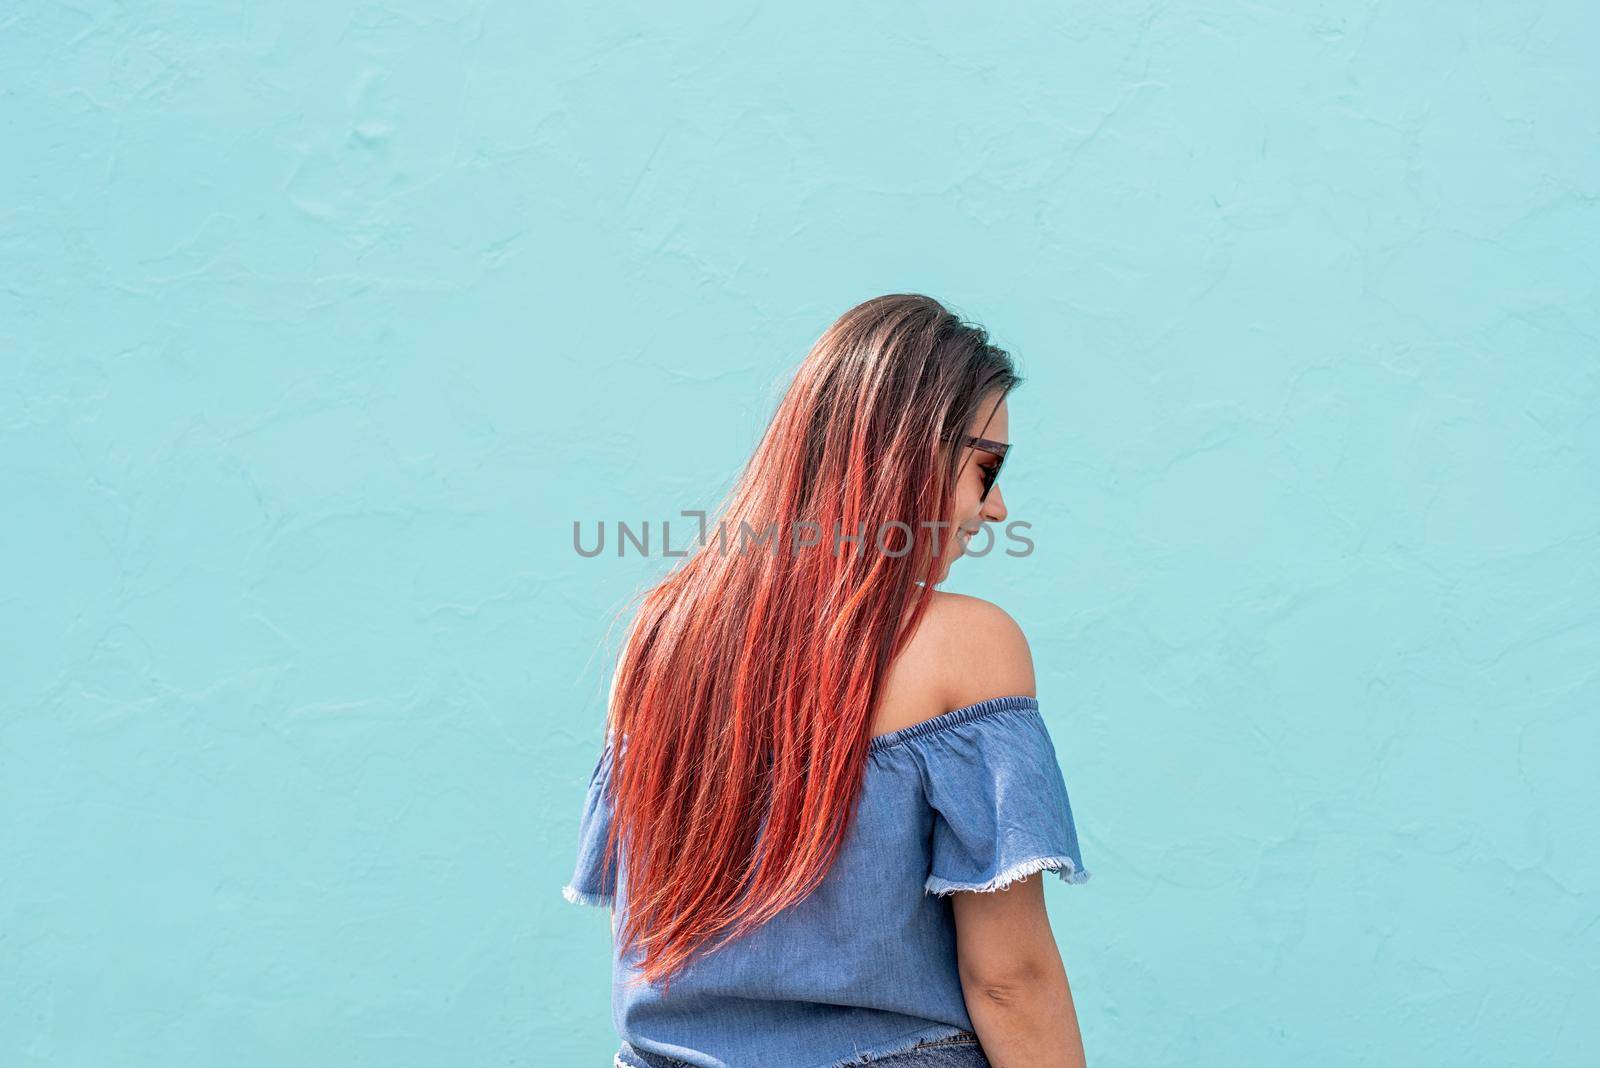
[959,1050]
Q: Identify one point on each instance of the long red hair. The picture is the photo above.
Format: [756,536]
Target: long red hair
[741,708]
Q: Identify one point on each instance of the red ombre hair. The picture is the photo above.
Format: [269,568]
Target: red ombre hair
[743,700]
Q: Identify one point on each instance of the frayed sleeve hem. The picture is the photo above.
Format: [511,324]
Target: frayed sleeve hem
[1063,866]
[578,897]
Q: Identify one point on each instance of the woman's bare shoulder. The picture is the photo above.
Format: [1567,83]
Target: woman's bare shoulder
[965,650]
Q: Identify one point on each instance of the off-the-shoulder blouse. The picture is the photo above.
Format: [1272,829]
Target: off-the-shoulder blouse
[864,966]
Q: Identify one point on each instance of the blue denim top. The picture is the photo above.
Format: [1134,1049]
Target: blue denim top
[866,964]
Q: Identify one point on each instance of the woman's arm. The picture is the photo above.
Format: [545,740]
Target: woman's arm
[1011,972]
[1013,980]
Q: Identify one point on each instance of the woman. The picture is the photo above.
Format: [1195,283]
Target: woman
[823,829]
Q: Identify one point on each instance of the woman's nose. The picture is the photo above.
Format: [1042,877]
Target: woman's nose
[994,505]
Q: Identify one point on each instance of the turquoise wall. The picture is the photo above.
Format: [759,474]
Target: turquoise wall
[320,324]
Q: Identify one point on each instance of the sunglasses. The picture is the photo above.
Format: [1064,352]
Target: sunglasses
[990,474]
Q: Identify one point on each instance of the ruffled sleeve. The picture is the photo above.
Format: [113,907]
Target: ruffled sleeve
[1001,810]
[593,881]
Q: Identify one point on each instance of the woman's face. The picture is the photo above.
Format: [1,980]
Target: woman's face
[970,513]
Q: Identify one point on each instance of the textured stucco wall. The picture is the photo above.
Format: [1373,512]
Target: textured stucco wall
[320,323]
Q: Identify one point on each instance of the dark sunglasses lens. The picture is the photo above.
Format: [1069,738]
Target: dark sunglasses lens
[991,475]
